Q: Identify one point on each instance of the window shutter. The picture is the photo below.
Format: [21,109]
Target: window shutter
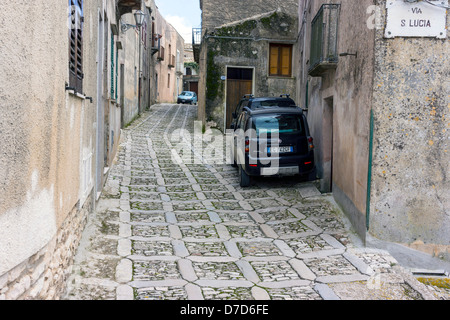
[76,45]
[273,60]
[112,66]
[280,63]
[285,61]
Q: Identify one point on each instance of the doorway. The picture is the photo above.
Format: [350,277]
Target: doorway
[239,83]
[326,183]
[193,86]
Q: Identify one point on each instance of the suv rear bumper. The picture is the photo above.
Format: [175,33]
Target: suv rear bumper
[293,165]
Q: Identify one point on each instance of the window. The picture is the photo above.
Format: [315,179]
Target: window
[278,124]
[76,45]
[154,39]
[280,63]
[112,66]
[241,106]
[168,81]
[161,54]
[240,122]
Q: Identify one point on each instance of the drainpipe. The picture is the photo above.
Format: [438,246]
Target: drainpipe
[369,171]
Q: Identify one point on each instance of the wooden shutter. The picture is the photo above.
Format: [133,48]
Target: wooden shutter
[280,63]
[273,60]
[286,53]
[76,45]
[153,35]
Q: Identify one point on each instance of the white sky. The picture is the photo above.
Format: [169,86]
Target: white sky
[183,15]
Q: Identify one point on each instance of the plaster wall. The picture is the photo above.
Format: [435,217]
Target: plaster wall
[130,59]
[169,76]
[410,199]
[46,132]
[405,81]
[339,104]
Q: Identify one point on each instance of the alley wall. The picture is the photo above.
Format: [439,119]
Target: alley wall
[59,134]
[388,172]
[338,104]
[47,145]
[410,199]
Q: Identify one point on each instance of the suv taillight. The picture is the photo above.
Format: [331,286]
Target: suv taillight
[310,143]
[247,145]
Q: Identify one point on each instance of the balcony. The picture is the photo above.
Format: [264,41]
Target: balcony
[324,35]
[196,42]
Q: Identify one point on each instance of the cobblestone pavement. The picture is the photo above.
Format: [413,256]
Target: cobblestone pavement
[165,230]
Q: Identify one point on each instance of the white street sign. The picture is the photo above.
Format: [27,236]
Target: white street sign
[416,19]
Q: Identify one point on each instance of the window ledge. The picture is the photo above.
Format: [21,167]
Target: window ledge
[281,77]
[76,94]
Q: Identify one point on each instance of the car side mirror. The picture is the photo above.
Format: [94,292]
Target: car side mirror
[234,115]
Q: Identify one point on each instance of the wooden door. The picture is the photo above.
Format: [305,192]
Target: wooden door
[193,86]
[239,83]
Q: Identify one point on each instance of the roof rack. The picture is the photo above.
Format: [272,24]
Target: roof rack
[285,94]
[297,110]
[248,95]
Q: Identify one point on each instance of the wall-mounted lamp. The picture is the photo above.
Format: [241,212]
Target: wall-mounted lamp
[139,17]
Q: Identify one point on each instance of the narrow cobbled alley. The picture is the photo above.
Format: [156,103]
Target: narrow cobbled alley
[167,230]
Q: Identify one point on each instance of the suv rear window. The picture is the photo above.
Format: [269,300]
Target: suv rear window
[286,124]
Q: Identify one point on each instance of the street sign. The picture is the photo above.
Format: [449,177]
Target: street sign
[416,19]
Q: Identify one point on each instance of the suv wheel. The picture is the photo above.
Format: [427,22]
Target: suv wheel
[244,178]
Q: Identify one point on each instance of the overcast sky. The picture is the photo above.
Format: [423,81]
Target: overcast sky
[183,15]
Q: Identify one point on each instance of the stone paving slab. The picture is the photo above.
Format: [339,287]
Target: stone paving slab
[166,229]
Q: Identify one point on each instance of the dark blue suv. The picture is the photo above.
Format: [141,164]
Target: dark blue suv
[272,142]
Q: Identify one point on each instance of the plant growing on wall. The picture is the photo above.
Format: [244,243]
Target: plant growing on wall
[192,65]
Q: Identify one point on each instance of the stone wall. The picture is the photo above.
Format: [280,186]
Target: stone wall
[410,200]
[240,36]
[216,13]
[43,275]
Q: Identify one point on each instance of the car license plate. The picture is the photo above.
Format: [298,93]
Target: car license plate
[280,150]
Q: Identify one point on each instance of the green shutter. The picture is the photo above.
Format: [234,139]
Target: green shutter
[112,66]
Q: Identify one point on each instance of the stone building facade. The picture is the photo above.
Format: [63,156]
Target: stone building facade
[191,69]
[378,112]
[248,47]
[168,62]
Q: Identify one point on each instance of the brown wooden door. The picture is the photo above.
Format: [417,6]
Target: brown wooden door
[236,89]
[193,86]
